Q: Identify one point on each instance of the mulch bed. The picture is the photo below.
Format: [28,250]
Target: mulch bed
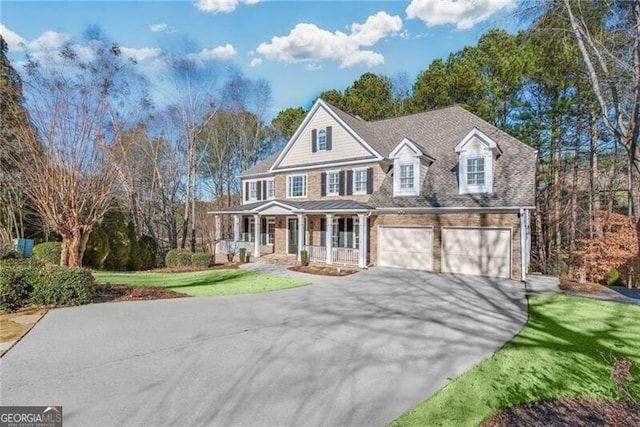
[117,293]
[323,271]
[589,287]
[567,412]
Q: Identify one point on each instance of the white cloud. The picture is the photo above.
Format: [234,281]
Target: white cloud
[221,6]
[140,54]
[13,39]
[161,28]
[464,14]
[313,67]
[307,42]
[221,52]
[49,40]
[255,62]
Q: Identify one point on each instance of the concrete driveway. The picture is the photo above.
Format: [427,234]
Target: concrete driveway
[356,350]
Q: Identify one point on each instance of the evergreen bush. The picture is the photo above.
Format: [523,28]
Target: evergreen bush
[48,252]
[178,258]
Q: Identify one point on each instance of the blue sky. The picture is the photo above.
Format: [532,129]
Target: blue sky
[300,47]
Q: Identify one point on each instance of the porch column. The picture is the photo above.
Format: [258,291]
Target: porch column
[362,249]
[218,228]
[236,228]
[329,238]
[256,238]
[300,234]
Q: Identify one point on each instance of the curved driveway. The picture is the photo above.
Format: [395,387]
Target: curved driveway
[356,350]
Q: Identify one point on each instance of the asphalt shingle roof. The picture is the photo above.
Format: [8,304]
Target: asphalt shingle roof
[437,133]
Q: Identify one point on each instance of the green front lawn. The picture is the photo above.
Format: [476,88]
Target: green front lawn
[564,350]
[203,283]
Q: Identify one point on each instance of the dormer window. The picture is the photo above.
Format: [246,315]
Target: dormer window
[407,162]
[475,163]
[322,140]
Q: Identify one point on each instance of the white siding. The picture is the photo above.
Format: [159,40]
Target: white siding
[406,247]
[344,145]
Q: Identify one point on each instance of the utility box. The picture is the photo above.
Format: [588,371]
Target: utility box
[23,247]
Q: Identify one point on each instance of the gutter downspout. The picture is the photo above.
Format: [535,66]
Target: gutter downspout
[523,245]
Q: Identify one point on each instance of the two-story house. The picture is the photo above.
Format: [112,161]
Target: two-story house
[441,191]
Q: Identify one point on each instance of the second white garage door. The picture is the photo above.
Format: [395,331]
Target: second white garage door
[480,251]
[406,247]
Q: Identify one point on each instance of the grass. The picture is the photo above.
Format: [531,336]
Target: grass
[564,350]
[203,283]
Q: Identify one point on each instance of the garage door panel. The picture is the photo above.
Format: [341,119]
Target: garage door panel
[485,252]
[405,247]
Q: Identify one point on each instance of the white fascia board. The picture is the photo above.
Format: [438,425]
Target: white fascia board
[326,165]
[483,137]
[508,209]
[405,142]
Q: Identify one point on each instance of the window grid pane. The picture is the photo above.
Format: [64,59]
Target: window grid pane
[333,183]
[475,171]
[271,189]
[322,139]
[360,181]
[297,186]
[406,177]
[253,190]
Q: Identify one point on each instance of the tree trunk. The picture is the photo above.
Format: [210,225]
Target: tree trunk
[574,199]
[594,181]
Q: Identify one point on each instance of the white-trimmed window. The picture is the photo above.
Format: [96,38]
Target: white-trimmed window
[406,176]
[333,183]
[253,190]
[360,181]
[296,186]
[271,189]
[322,140]
[475,171]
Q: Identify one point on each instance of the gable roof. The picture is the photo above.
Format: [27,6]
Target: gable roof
[437,133]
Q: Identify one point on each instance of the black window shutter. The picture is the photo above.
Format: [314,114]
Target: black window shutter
[246,191]
[328,130]
[349,233]
[264,190]
[314,141]
[259,190]
[343,182]
[341,233]
[323,232]
[263,225]
[349,182]
[246,225]
[369,180]
[323,184]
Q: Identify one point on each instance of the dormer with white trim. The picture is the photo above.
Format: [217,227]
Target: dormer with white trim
[409,160]
[477,153]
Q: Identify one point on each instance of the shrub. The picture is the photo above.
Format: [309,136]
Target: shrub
[115,225]
[7,251]
[16,278]
[134,263]
[97,249]
[242,254]
[557,267]
[613,277]
[201,259]
[48,252]
[304,258]
[63,286]
[148,253]
[177,258]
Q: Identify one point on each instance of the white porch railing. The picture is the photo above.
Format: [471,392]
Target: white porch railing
[317,253]
[226,246]
[345,256]
[342,256]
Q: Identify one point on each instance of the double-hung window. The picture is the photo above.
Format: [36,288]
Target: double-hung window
[475,171]
[407,181]
[333,183]
[296,186]
[253,190]
[271,189]
[359,181]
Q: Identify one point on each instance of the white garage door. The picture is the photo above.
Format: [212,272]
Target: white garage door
[480,251]
[406,247]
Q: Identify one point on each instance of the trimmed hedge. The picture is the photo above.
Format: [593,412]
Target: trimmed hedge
[16,282]
[48,252]
[177,258]
[30,281]
[63,286]
[201,259]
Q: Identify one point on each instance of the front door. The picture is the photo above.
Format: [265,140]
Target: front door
[293,236]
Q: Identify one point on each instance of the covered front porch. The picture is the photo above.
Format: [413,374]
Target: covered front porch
[332,232]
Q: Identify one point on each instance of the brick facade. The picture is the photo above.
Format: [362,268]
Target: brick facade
[437,221]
